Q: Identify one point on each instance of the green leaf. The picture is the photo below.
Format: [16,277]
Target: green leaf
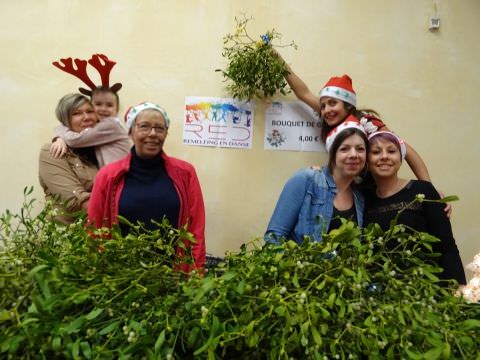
[5,315]
[435,339]
[229,275]
[29,321]
[316,336]
[43,284]
[321,285]
[57,343]
[470,324]
[433,353]
[76,349]
[208,285]
[11,344]
[159,342]
[280,310]
[325,312]
[341,312]
[37,269]
[449,198]
[348,272]
[252,339]
[75,325]
[81,297]
[86,349]
[109,328]
[447,351]
[295,281]
[192,336]
[241,287]
[413,355]
[204,347]
[323,329]
[331,299]
[38,305]
[211,354]
[93,314]
[401,318]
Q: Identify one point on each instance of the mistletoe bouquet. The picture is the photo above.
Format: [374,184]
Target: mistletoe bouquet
[254,69]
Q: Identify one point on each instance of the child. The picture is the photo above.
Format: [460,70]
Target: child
[109,137]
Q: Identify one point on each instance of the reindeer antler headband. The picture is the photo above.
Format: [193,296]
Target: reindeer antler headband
[80,71]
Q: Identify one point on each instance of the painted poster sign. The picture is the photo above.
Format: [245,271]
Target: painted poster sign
[292,125]
[219,122]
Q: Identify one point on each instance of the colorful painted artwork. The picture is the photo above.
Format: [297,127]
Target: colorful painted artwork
[292,125]
[218,122]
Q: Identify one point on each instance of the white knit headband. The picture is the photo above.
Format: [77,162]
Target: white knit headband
[133,112]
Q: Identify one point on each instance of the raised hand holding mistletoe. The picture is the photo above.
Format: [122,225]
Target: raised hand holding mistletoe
[254,68]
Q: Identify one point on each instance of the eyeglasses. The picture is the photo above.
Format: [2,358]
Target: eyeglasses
[145,129]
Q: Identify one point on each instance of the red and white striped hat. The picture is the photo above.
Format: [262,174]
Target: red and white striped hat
[340,88]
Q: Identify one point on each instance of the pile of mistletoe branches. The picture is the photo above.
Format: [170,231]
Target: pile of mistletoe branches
[66,295]
[254,69]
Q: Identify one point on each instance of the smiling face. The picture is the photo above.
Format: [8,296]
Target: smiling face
[384,158]
[350,157]
[83,117]
[148,133]
[105,104]
[332,110]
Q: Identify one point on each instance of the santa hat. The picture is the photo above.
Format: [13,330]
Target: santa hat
[340,88]
[133,111]
[392,137]
[350,123]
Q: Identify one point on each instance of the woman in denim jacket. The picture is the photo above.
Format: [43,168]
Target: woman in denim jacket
[313,200]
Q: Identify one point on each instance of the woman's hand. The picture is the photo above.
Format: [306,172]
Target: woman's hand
[58,148]
[448,207]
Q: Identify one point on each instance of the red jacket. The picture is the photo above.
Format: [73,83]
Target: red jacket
[108,186]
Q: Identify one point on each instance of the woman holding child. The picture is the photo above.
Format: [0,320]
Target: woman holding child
[91,130]
[68,180]
[109,136]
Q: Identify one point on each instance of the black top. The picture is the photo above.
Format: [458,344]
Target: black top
[426,217]
[349,214]
[149,193]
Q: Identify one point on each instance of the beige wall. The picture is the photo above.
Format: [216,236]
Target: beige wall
[423,83]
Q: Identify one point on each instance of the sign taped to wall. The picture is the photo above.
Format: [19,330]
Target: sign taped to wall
[218,122]
[292,125]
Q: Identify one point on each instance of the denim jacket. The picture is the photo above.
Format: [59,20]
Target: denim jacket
[305,207]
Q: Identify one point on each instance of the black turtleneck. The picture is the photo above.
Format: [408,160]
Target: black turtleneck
[148,194]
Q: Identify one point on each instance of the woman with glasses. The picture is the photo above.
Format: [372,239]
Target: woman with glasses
[147,185]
